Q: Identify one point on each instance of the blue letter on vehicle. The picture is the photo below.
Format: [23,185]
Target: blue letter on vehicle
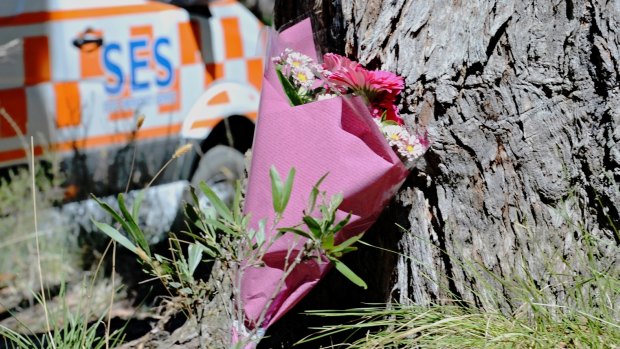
[114,69]
[163,62]
[137,63]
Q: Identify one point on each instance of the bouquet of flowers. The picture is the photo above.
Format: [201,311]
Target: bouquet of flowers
[335,121]
[305,81]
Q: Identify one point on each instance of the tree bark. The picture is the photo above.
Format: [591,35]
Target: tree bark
[520,101]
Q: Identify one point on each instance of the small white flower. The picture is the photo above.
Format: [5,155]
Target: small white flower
[408,146]
[395,134]
[282,57]
[411,148]
[297,60]
[326,96]
[303,77]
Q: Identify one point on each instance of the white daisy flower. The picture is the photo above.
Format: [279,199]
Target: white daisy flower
[411,148]
[395,134]
[297,60]
[303,77]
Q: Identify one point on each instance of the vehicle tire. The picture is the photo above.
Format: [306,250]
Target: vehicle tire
[219,168]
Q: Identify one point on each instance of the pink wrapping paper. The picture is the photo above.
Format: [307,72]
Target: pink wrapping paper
[335,136]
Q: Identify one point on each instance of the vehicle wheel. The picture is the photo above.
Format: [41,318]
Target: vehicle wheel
[219,168]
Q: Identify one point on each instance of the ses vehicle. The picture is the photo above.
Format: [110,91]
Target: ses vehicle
[78,75]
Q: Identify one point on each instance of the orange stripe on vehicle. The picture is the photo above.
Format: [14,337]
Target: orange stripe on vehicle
[176,105]
[16,154]
[220,98]
[143,30]
[37,67]
[121,115]
[214,71]
[116,138]
[90,59]
[252,115]
[98,141]
[205,123]
[14,103]
[40,17]
[197,33]
[232,37]
[68,106]
[255,72]
[208,77]
[189,46]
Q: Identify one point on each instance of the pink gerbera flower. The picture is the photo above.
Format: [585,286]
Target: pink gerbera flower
[387,81]
[379,88]
[334,62]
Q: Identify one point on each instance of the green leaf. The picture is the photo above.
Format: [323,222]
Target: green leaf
[217,203]
[346,250]
[289,89]
[336,201]
[195,256]
[116,236]
[192,192]
[276,189]
[257,237]
[313,225]
[219,225]
[288,187]
[175,284]
[137,202]
[113,213]
[348,273]
[327,243]
[326,214]
[340,225]
[161,259]
[210,251]
[134,230]
[314,194]
[186,291]
[237,202]
[350,241]
[296,231]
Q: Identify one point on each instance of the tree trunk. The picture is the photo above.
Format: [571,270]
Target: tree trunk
[520,101]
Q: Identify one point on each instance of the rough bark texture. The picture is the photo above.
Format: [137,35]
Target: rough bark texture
[520,100]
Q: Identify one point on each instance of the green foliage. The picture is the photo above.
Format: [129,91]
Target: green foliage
[280,192]
[587,315]
[445,326]
[58,246]
[289,89]
[72,329]
[221,235]
[129,223]
[321,231]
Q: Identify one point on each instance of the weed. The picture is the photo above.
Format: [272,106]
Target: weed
[71,327]
[221,236]
[586,315]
